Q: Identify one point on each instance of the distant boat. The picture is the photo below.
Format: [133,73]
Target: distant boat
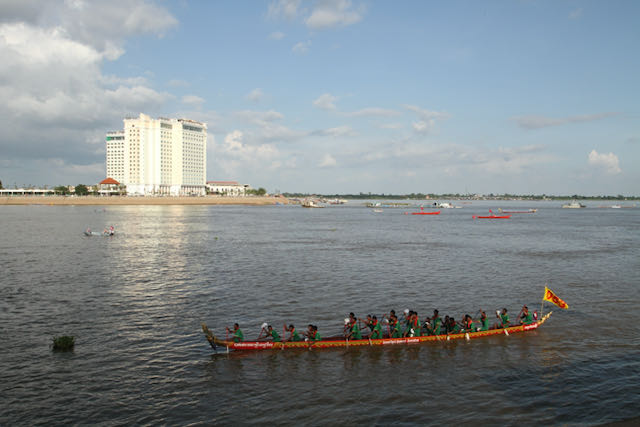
[310,204]
[616,207]
[377,210]
[425,213]
[98,233]
[492,216]
[573,205]
[518,212]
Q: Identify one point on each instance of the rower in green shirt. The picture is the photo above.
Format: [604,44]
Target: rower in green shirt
[504,319]
[353,331]
[273,334]
[376,329]
[394,327]
[238,336]
[453,327]
[526,318]
[312,333]
[293,334]
[483,324]
[436,322]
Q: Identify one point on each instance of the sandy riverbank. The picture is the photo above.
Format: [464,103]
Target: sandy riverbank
[125,200]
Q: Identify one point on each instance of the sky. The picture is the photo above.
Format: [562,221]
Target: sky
[333,96]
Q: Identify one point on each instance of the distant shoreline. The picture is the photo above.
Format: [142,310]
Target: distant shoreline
[128,200]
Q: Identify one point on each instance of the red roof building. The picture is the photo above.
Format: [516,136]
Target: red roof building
[108,181]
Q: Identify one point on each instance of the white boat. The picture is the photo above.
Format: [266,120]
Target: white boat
[573,205]
[310,204]
[616,207]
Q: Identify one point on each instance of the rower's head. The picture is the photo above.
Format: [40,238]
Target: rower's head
[352,315]
[270,328]
[525,309]
[236,326]
[435,312]
[504,311]
[291,327]
[392,313]
[368,317]
[310,327]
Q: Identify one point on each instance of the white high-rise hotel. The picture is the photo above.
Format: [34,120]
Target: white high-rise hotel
[159,156]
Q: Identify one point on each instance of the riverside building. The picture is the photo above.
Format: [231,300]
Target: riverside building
[159,156]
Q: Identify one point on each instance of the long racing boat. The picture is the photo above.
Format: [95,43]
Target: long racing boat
[340,342]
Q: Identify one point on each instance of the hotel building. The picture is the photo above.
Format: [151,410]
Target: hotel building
[159,156]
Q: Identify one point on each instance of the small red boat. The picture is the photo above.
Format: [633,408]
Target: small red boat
[425,213]
[492,216]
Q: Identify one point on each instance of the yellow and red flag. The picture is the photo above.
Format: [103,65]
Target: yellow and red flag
[551,297]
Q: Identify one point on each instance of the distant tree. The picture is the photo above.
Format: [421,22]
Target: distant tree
[259,192]
[1,185]
[61,189]
[82,190]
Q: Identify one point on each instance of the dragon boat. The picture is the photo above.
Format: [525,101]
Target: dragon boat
[341,342]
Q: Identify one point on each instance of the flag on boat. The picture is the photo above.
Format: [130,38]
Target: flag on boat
[551,297]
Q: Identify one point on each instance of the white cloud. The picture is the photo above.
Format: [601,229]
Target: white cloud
[287,9]
[326,101]
[259,117]
[336,132]
[177,83]
[301,47]
[57,103]
[255,95]
[608,162]
[267,128]
[327,161]
[538,122]
[372,112]
[334,13]
[276,35]
[193,100]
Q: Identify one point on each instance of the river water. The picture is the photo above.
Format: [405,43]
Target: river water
[134,303]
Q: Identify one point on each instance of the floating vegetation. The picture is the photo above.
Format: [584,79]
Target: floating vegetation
[63,343]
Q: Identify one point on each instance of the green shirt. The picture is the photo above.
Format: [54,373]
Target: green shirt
[274,334]
[295,336]
[436,325]
[504,319]
[316,337]
[528,318]
[355,332]
[238,336]
[483,324]
[376,331]
[395,332]
[455,329]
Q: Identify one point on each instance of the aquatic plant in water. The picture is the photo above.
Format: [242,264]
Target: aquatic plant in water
[63,343]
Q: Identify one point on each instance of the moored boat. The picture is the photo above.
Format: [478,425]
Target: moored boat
[518,212]
[573,205]
[310,204]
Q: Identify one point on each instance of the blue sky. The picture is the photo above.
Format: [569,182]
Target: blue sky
[333,96]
